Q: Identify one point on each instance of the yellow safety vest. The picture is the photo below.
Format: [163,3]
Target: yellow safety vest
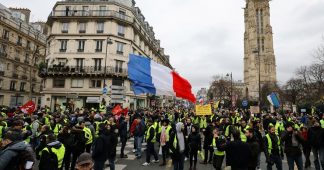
[58,152]
[203,123]
[216,151]
[27,140]
[57,129]
[1,129]
[270,143]
[279,127]
[97,128]
[148,134]
[102,108]
[88,135]
[322,123]
[167,131]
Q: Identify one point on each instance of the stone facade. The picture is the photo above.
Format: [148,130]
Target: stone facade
[259,58]
[80,60]
[22,49]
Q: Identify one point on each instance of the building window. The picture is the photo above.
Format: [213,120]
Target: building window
[12,85]
[63,45]
[22,86]
[77,83]
[97,64]
[19,41]
[26,58]
[95,83]
[28,45]
[81,45]
[262,44]
[85,11]
[122,13]
[121,30]
[58,83]
[99,45]
[5,34]
[79,63]
[258,44]
[65,27]
[119,66]
[61,61]
[261,21]
[102,11]
[117,82]
[100,27]
[1,83]
[82,27]
[33,88]
[120,48]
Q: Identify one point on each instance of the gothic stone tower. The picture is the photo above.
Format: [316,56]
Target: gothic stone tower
[259,56]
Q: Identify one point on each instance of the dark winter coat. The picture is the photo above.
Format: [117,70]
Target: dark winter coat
[194,142]
[238,154]
[255,150]
[15,156]
[291,150]
[104,147]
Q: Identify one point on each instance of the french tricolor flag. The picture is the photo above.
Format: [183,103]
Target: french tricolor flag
[148,76]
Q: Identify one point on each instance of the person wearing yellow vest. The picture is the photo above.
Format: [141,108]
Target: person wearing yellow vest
[150,140]
[87,134]
[219,153]
[3,126]
[52,155]
[102,108]
[279,126]
[322,121]
[273,149]
[242,129]
[255,148]
[203,123]
[164,139]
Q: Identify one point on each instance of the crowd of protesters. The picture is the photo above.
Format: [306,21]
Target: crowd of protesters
[87,138]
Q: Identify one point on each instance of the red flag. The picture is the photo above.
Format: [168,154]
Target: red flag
[116,110]
[29,107]
[182,88]
[125,112]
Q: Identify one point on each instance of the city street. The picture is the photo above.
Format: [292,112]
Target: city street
[131,163]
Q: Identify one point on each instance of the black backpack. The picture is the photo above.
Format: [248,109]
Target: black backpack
[50,162]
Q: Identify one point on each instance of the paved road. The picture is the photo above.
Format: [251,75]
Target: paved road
[131,163]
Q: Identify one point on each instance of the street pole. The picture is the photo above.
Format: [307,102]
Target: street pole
[232,90]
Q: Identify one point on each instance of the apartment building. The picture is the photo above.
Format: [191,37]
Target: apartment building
[88,48]
[22,50]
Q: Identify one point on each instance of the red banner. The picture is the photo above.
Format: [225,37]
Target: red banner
[29,107]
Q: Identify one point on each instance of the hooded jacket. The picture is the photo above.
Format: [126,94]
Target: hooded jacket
[9,155]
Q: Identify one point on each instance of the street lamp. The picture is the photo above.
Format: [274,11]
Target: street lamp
[231,87]
[109,42]
[257,51]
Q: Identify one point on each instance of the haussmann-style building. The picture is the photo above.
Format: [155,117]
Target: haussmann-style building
[88,47]
[22,51]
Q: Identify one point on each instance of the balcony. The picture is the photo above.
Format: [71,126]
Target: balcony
[26,61]
[17,58]
[90,14]
[24,77]
[87,71]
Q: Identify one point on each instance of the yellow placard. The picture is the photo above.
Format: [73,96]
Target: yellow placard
[202,110]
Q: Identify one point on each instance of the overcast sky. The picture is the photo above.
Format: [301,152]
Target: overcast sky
[205,37]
